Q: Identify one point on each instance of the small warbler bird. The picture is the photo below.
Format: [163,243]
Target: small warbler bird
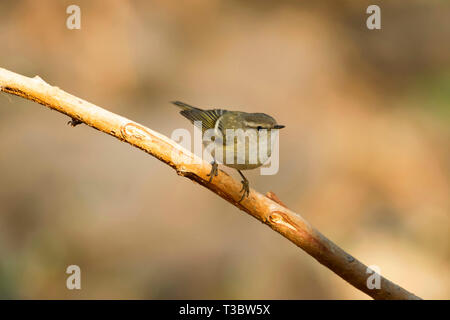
[221,122]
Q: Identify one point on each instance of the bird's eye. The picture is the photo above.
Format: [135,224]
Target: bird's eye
[258,127]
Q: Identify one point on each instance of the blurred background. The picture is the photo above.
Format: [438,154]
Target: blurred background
[364,156]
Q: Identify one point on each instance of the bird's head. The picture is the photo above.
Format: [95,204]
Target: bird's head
[260,121]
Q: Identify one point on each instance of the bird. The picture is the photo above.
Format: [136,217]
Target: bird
[220,123]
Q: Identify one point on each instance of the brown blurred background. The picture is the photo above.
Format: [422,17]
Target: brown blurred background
[364,156]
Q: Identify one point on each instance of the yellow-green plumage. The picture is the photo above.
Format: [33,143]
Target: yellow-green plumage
[223,123]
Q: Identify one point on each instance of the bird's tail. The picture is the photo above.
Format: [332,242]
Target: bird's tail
[184,106]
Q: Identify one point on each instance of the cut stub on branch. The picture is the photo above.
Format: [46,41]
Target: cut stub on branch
[74,122]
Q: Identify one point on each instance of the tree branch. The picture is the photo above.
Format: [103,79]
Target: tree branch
[267,209]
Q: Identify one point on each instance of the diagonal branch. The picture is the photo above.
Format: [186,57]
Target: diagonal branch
[267,209]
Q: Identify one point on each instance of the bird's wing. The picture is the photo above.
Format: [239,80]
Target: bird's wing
[207,117]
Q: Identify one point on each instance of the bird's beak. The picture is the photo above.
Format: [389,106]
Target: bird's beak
[278,126]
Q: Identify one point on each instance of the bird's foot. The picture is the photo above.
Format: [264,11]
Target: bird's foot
[214,171]
[245,189]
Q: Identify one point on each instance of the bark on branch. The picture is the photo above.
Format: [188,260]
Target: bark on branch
[266,208]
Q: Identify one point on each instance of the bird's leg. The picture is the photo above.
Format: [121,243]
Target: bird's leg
[214,170]
[245,186]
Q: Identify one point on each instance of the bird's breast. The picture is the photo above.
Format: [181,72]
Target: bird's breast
[242,153]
